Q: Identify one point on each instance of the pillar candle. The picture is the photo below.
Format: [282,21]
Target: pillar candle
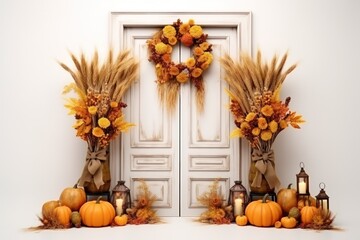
[119,207]
[238,208]
[302,187]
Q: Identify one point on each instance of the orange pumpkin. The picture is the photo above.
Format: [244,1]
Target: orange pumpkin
[263,213]
[288,222]
[302,202]
[48,207]
[63,215]
[287,198]
[73,197]
[307,214]
[97,213]
[121,220]
[241,220]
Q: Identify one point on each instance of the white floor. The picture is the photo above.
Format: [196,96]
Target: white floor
[181,228]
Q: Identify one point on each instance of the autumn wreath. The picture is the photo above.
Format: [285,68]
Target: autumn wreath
[171,75]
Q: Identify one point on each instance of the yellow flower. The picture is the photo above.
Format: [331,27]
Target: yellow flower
[204,46]
[236,133]
[262,124]
[190,62]
[273,126]
[255,131]
[92,110]
[198,51]
[161,48]
[250,116]
[172,40]
[244,125]
[283,124]
[169,31]
[266,135]
[196,72]
[191,22]
[182,77]
[184,28]
[104,122]
[114,104]
[196,31]
[267,110]
[98,132]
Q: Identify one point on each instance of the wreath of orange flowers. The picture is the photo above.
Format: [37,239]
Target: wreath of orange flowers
[170,74]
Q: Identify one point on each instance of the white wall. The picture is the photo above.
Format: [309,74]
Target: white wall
[40,154]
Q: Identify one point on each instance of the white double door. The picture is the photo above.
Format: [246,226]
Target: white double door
[179,154]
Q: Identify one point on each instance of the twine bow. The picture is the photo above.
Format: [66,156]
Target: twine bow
[263,164]
[93,168]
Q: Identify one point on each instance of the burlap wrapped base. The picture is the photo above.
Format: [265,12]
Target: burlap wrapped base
[264,187]
[90,187]
[96,177]
[262,175]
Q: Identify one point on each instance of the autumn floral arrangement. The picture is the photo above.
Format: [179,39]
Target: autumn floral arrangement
[170,74]
[142,212]
[97,108]
[217,212]
[259,113]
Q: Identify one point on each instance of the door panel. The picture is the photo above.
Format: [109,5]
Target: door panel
[181,154]
[206,151]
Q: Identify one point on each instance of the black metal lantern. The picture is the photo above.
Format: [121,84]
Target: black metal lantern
[302,182]
[238,198]
[322,199]
[120,198]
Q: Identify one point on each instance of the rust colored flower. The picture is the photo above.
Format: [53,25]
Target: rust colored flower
[196,72]
[187,40]
[166,58]
[196,31]
[262,124]
[169,31]
[104,122]
[190,62]
[98,132]
[198,51]
[266,135]
[173,71]
[267,110]
[161,48]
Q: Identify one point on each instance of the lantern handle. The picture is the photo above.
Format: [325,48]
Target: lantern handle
[302,165]
[322,185]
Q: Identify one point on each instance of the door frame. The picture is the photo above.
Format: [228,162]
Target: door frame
[118,21]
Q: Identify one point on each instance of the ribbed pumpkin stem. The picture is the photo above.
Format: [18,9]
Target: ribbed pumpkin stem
[289,186]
